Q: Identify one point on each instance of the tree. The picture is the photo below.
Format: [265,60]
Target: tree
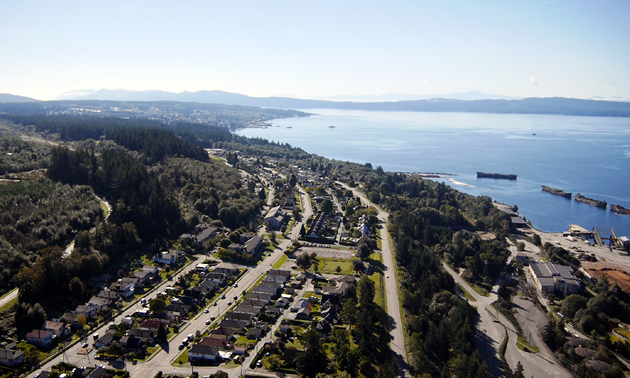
[572,304]
[327,206]
[358,266]
[363,248]
[536,240]
[161,334]
[292,180]
[520,246]
[157,305]
[115,348]
[518,371]
[365,291]
[303,260]
[262,194]
[313,360]
[36,316]
[76,288]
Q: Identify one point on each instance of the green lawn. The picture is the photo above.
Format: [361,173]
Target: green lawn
[329,266]
[280,262]
[9,304]
[379,285]
[182,359]
[466,293]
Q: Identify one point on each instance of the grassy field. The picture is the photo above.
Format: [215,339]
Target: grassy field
[280,262]
[329,266]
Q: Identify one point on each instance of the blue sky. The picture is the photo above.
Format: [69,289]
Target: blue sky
[312,49]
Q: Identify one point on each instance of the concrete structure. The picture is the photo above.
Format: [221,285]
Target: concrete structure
[552,278]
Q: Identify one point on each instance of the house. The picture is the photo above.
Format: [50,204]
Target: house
[153,325]
[85,310]
[245,236]
[253,246]
[216,342]
[108,294]
[273,310]
[167,257]
[122,289]
[132,281]
[58,329]
[143,334]
[143,277]
[199,235]
[282,302]
[151,269]
[274,218]
[207,286]
[222,332]
[39,337]
[254,302]
[270,290]
[239,316]
[72,319]
[303,314]
[133,344]
[302,303]
[98,303]
[236,325]
[227,268]
[203,352]
[279,272]
[247,309]
[259,297]
[104,340]
[254,333]
[11,357]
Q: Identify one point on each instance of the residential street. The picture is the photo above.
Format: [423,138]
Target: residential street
[391,288]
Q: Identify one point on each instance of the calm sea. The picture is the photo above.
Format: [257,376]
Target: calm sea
[588,155]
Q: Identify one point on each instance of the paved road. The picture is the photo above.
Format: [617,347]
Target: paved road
[491,331]
[391,288]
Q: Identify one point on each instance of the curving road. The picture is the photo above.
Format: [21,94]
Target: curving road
[391,287]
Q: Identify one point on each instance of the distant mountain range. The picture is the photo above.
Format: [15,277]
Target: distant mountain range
[5,97]
[229,98]
[467,102]
[472,101]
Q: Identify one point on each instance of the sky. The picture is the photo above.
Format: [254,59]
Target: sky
[314,49]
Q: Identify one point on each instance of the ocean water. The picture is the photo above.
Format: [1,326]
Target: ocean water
[587,155]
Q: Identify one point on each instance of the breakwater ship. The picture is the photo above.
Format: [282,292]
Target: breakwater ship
[557,192]
[495,176]
[590,201]
[620,210]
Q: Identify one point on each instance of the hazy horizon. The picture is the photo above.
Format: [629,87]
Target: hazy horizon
[318,50]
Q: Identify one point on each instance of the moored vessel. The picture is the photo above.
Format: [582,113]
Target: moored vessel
[557,192]
[495,176]
[590,201]
[620,210]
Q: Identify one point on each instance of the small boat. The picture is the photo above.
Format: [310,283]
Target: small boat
[590,201]
[557,192]
[289,127]
[331,127]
